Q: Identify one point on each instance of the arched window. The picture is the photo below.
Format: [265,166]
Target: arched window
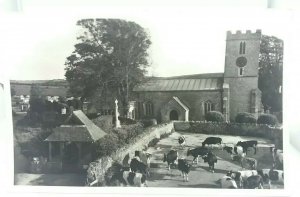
[208,106]
[148,108]
[242,47]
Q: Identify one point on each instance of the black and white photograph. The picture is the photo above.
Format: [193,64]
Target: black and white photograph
[168,96]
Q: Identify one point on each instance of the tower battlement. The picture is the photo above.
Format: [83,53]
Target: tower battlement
[238,35]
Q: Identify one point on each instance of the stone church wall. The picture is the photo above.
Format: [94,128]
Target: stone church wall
[192,99]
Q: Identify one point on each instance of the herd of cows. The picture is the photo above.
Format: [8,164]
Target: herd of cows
[136,170]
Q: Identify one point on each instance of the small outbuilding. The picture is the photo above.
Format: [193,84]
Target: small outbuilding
[70,144]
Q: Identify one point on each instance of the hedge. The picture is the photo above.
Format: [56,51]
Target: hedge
[214,116]
[245,118]
[268,119]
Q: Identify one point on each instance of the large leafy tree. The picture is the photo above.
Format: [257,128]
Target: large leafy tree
[270,72]
[110,58]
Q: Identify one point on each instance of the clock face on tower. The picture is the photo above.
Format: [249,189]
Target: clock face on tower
[241,61]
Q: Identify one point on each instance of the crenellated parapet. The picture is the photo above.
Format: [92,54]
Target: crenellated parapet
[249,35]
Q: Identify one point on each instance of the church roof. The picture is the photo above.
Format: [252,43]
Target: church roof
[211,81]
[87,132]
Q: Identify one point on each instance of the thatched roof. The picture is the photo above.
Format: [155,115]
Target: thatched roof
[87,132]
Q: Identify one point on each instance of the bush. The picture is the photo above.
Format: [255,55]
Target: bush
[245,118]
[128,133]
[214,116]
[268,119]
[106,145]
[104,122]
[149,122]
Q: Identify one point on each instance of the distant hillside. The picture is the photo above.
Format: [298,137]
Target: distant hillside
[55,87]
[53,82]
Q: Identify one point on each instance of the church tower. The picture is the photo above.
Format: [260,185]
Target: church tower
[240,88]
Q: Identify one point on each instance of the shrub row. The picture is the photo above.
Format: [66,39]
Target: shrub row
[269,119]
[116,139]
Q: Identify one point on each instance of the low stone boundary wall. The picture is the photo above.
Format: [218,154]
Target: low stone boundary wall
[97,169]
[242,129]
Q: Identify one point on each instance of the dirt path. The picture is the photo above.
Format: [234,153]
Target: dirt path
[50,179]
[199,176]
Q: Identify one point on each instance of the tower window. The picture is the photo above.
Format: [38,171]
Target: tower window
[242,47]
[241,71]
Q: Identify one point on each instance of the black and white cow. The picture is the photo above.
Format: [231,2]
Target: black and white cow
[211,159]
[212,140]
[271,175]
[171,158]
[127,178]
[196,152]
[241,176]
[181,141]
[249,161]
[254,182]
[234,151]
[138,166]
[184,167]
[247,144]
[228,182]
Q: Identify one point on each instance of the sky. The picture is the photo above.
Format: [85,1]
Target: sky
[188,38]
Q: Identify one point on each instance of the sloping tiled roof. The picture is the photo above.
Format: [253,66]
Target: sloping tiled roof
[88,132]
[211,81]
[180,103]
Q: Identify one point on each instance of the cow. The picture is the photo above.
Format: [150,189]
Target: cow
[271,175]
[184,167]
[236,150]
[171,158]
[127,178]
[277,156]
[226,182]
[241,176]
[247,144]
[138,166]
[144,157]
[254,182]
[211,159]
[196,152]
[212,140]
[181,141]
[251,162]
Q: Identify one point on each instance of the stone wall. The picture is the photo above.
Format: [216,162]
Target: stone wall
[241,129]
[98,168]
[193,100]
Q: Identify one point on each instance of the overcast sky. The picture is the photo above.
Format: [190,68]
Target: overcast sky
[187,38]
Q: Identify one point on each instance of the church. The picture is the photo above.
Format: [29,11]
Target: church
[190,97]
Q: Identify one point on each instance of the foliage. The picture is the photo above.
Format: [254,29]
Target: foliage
[106,145]
[12,91]
[109,60]
[31,141]
[149,122]
[268,119]
[245,118]
[270,72]
[214,116]
[117,139]
[104,122]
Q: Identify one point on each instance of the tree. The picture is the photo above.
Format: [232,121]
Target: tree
[109,60]
[270,72]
